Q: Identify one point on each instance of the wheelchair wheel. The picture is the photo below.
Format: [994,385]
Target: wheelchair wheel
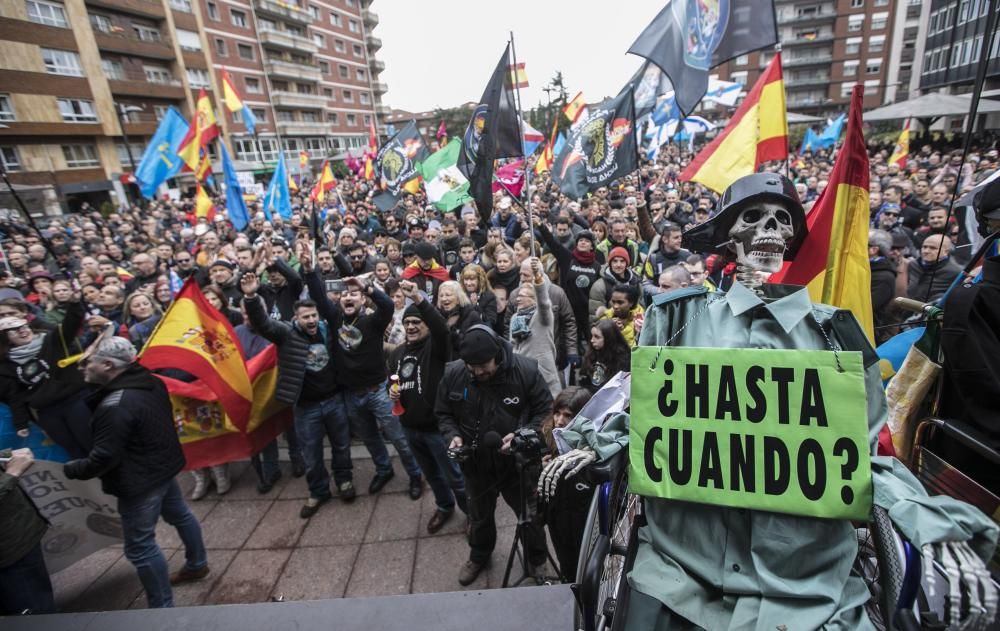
[880,566]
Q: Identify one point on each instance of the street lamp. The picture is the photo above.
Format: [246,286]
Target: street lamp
[123,111]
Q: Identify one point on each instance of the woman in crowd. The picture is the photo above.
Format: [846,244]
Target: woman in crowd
[458,311]
[217,298]
[141,315]
[505,274]
[57,303]
[532,327]
[477,288]
[395,333]
[163,294]
[383,273]
[607,355]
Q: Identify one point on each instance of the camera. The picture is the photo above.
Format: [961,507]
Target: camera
[527,442]
[460,454]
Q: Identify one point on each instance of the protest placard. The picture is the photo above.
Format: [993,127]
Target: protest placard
[761,429]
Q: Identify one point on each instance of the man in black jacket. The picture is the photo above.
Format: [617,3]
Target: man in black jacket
[883,271]
[419,365]
[136,454]
[490,389]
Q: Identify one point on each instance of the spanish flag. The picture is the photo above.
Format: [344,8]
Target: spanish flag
[303,160]
[902,150]
[518,76]
[369,168]
[229,94]
[203,206]
[575,108]
[544,162]
[757,132]
[292,185]
[372,138]
[833,260]
[325,182]
[202,130]
[194,336]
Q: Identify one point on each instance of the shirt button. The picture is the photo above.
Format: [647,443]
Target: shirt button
[736,567]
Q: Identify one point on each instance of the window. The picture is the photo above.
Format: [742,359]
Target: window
[61,62]
[352,120]
[955,51]
[348,96]
[855,22]
[335,19]
[80,156]
[220,47]
[213,11]
[879,20]
[368,120]
[742,60]
[876,43]
[77,110]
[332,117]
[359,74]
[338,45]
[881,3]
[364,98]
[963,12]
[160,111]
[739,77]
[349,3]
[184,6]
[146,33]
[265,24]
[197,77]
[285,116]
[188,40]
[873,66]
[239,18]
[315,145]
[113,69]
[845,89]
[850,68]
[297,31]
[342,69]
[10,160]
[101,23]
[856,4]
[871,87]
[310,117]
[357,50]
[237,116]
[977,48]
[328,93]
[252,84]
[314,11]
[305,88]
[260,114]
[324,68]
[852,45]
[6,108]
[47,13]
[245,51]
[268,148]
[319,40]
[245,149]
[353,26]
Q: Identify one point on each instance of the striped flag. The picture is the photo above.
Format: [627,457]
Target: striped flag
[203,206]
[202,130]
[303,160]
[231,97]
[325,183]
[518,77]
[549,153]
[902,150]
[757,132]
[575,108]
[833,259]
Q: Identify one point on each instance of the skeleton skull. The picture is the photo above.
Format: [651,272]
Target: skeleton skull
[761,235]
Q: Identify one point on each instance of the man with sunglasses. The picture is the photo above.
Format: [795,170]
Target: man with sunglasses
[888,219]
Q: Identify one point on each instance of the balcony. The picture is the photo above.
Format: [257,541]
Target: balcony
[377,66]
[806,19]
[301,128]
[373,42]
[292,70]
[798,62]
[283,39]
[379,88]
[793,84]
[300,101]
[370,18]
[283,10]
[806,41]
[171,90]
[383,110]
[128,44]
[145,8]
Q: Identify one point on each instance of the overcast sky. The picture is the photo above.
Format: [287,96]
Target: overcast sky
[440,53]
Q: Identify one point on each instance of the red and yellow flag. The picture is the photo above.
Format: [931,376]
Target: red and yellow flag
[229,93]
[757,132]
[325,182]
[833,260]
[544,162]
[202,130]
[574,108]
[902,150]
[303,159]
[518,76]
[369,168]
[372,138]
[195,336]
[292,184]
[203,206]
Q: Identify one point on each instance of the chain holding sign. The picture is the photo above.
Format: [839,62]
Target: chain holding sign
[760,429]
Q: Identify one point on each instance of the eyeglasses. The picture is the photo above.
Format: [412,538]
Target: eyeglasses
[357,257]
[412,322]
[889,214]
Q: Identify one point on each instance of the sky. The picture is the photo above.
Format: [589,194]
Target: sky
[440,53]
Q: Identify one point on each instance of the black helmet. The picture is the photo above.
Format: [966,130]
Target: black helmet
[707,238]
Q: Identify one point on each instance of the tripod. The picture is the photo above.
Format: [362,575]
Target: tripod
[517,547]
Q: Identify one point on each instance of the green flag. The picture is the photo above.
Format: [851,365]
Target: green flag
[446,186]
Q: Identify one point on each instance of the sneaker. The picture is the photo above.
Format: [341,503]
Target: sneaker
[220,475]
[312,506]
[469,572]
[379,482]
[184,575]
[200,484]
[438,520]
[416,488]
[346,492]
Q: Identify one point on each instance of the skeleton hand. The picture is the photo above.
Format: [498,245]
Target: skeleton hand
[566,465]
[968,578]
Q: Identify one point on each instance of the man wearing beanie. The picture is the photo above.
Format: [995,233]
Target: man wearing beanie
[578,270]
[491,391]
[419,365]
[616,272]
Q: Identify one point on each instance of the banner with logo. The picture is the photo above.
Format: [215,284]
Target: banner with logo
[396,164]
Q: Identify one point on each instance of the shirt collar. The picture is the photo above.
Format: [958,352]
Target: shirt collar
[791,304]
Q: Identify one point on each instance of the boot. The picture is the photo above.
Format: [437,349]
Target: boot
[200,484]
[220,473]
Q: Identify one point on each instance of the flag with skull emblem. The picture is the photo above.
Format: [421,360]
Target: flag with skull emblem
[600,148]
[396,164]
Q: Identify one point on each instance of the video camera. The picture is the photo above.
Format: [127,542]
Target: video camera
[527,442]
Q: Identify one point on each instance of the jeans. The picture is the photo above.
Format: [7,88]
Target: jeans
[25,585]
[139,516]
[371,411]
[265,463]
[442,473]
[313,421]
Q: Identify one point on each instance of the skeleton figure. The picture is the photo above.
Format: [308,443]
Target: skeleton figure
[564,466]
[759,238]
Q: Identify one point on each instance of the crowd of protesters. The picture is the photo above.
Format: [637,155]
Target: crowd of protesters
[368,307]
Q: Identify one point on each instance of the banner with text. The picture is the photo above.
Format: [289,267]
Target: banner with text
[761,429]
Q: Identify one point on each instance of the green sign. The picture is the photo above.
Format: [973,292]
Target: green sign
[773,430]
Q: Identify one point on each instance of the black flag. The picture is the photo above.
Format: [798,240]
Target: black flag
[687,38]
[396,164]
[649,83]
[492,133]
[600,148]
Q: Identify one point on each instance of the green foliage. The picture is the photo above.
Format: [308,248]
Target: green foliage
[456,119]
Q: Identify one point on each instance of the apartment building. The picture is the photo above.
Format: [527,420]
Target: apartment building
[954,44]
[78,77]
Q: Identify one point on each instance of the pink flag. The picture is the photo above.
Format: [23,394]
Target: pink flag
[442,132]
[510,176]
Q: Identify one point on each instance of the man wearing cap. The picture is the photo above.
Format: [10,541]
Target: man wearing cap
[490,390]
[415,228]
[223,273]
[618,238]
[616,272]
[425,271]
[136,453]
[506,220]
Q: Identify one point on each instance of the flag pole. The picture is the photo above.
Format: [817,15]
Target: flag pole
[520,137]
[635,134]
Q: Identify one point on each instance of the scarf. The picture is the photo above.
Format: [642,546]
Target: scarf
[583,258]
[27,352]
[508,279]
[520,324]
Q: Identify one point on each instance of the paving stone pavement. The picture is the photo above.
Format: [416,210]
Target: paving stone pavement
[260,549]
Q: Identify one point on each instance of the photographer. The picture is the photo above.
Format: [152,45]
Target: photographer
[492,392]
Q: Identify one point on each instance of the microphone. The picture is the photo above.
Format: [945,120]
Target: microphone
[491,440]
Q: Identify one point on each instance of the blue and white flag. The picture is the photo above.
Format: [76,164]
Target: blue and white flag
[160,161]
[278,197]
